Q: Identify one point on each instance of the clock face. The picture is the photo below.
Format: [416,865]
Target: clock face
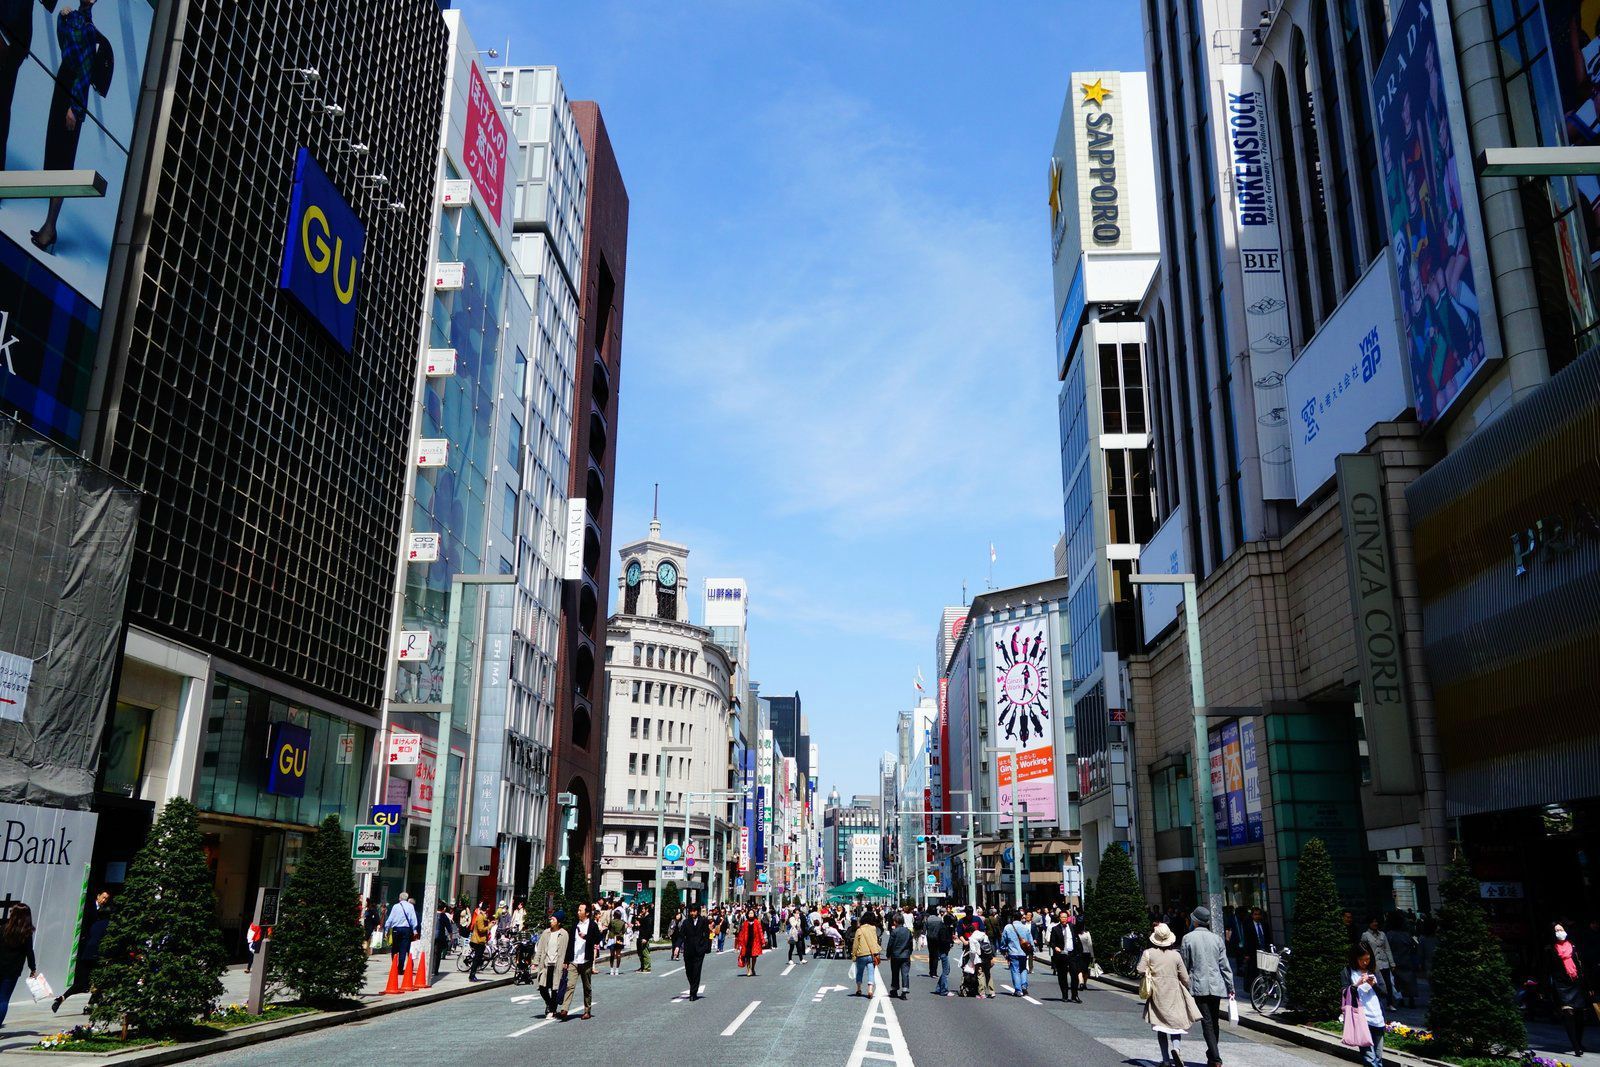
[667,573]
[634,573]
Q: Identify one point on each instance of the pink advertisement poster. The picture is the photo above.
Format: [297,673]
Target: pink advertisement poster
[485,147]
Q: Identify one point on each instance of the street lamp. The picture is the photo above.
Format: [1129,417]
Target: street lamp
[722,794]
[1202,779]
[661,823]
[972,865]
[1016,839]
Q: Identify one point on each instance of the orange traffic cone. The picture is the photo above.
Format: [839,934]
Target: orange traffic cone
[422,973]
[408,974]
[394,975]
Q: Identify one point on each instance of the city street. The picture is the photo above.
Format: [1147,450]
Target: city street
[785,1015]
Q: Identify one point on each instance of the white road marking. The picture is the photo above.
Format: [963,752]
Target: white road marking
[786,971]
[880,1016]
[825,990]
[1030,1000]
[531,1029]
[525,999]
[733,1027]
[664,974]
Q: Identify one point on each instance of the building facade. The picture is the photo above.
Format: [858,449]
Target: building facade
[670,736]
[254,380]
[1104,247]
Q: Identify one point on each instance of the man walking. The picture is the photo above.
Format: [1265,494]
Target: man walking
[941,937]
[1017,943]
[1066,956]
[898,949]
[1210,978]
[581,953]
[641,936]
[402,925]
[932,930]
[696,934]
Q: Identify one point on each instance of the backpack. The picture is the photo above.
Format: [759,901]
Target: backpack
[986,950]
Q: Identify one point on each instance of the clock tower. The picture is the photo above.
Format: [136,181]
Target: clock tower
[654,581]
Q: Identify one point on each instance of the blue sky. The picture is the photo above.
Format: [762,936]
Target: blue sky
[837,342]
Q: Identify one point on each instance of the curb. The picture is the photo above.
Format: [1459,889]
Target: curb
[261,1033]
[1304,1036]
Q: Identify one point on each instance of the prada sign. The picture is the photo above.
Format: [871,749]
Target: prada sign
[1379,624]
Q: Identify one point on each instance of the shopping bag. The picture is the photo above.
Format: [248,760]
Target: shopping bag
[1146,987]
[39,986]
[1356,1034]
[1233,1012]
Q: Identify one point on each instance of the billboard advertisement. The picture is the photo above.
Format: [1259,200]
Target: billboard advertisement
[1429,217]
[1266,302]
[1574,48]
[1255,833]
[322,250]
[1022,688]
[69,91]
[484,150]
[1233,782]
[1348,378]
[1236,762]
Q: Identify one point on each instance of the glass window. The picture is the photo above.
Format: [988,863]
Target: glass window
[647,726]
[124,755]
[1110,391]
[633,722]
[638,656]
[508,512]
[633,763]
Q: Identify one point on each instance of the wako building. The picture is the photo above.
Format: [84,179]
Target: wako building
[1104,249]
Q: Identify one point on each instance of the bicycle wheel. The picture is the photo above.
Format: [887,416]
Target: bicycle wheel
[502,961]
[464,959]
[1266,994]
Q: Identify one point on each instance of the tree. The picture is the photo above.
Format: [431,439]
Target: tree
[1114,908]
[1473,1008]
[577,892]
[1317,965]
[544,898]
[161,960]
[317,946]
[671,901]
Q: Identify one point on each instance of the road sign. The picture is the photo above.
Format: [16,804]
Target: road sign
[369,843]
[1009,854]
[933,879]
[673,872]
[934,894]
[368,866]
[672,853]
[738,882]
[951,839]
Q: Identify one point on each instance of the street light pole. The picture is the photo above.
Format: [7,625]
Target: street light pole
[972,863]
[661,825]
[1016,852]
[1202,761]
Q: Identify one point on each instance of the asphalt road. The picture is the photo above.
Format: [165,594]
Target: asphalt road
[784,1015]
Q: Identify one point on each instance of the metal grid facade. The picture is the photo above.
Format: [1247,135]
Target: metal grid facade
[273,461]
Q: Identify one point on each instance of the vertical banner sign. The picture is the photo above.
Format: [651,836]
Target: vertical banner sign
[1219,788]
[322,251]
[1022,688]
[764,769]
[744,849]
[945,791]
[1233,775]
[288,756]
[1102,178]
[1252,781]
[1379,625]
[484,149]
[1266,301]
[1577,232]
[1428,215]
[494,696]
[572,568]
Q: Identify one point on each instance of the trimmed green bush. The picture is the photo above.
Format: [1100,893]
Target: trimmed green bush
[1317,965]
[317,947]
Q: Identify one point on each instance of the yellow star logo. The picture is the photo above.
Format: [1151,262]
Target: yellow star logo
[1096,92]
[1055,191]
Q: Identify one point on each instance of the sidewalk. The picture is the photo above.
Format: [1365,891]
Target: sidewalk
[26,1023]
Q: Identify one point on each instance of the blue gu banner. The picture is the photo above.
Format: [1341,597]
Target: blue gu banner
[1427,219]
[288,756]
[322,251]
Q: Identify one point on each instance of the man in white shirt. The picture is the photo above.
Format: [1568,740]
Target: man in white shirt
[402,925]
[581,952]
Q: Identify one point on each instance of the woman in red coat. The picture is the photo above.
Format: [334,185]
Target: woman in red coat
[751,940]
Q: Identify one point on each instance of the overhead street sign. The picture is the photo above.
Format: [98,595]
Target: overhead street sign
[951,839]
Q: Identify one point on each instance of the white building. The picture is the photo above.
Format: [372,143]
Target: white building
[669,690]
[866,857]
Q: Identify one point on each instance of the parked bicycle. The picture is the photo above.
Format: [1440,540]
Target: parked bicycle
[1269,990]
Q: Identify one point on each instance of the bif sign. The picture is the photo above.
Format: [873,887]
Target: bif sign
[322,251]
[288,756]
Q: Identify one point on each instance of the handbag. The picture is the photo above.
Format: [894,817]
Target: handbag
[1233,1012]
[39,986]
[1146,987]
[1356,1034]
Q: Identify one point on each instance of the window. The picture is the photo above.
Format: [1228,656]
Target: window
[638,655]
[647,688]
[647,729]
[124,758]
[636,693]
[650,656]
[514,444]
[508,513]
[633,723]
[658,763]
[631,796]
[674,659]
[1110,392]
[633,763]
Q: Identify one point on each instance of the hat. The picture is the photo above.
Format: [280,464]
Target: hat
[1162,936]
[1201,916]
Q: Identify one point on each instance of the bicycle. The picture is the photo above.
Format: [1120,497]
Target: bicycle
[1269,990]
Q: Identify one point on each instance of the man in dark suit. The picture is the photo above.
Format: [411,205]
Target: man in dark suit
[696,934]
[1066,956]
[1257,938]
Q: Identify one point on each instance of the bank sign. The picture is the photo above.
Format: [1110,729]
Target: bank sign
[1253,187]
[322,251]
[1351,375]
[44,862]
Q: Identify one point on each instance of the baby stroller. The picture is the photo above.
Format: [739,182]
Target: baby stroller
[522,958]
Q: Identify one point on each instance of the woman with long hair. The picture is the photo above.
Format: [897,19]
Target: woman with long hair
[1365,986]
[16,948]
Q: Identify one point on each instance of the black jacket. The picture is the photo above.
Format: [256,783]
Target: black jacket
[1253,944]
[592,939]
[1064,940]
[938,933]
[695,935]
[898,946]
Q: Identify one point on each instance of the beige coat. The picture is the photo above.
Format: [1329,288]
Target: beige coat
[552,949]
[1171,1008]
[866,943]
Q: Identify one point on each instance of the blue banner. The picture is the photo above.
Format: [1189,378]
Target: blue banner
[1427,217]
[288,756]
[322,251]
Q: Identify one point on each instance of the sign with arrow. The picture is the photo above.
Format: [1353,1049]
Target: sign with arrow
[825,990]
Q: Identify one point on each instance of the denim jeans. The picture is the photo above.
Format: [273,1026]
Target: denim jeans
[1373,1057]
[1019,972]
[864,972]
[7,987]
[942,962]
